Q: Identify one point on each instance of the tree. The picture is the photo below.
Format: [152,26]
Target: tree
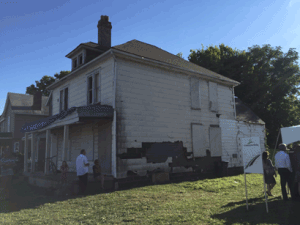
[268,76]
[44,82]
[180,55]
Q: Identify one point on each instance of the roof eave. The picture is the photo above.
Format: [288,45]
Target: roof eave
[79,47]
[231,83]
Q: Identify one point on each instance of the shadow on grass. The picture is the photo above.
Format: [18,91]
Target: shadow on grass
[280,212]
[26,196]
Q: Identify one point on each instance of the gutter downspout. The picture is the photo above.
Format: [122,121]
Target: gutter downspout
[114,124]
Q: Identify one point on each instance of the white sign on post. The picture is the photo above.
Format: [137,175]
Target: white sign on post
[252,160]
[252,155]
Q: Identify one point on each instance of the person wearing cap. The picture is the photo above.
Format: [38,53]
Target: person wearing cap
[284,167]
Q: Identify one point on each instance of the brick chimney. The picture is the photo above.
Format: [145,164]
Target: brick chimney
[104,32]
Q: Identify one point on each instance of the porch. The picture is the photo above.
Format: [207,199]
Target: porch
[62,136]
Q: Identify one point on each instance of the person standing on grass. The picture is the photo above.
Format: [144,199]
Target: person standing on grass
[283,164]
[82,168]
[269,172]
[97,170]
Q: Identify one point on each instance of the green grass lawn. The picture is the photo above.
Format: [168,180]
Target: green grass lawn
[213,201]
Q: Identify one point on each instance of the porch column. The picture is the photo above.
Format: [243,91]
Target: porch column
[47,151]
[65,142]
[33,151]
[26,153]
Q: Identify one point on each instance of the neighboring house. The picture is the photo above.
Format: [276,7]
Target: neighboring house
[19,109]
[247,124]
[136,108]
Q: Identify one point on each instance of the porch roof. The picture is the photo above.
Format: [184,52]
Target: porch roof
[70,116]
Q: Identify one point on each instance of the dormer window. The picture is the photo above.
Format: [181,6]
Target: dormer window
[80,59]
[74,63]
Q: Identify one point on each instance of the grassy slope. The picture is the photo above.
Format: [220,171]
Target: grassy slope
[215,201]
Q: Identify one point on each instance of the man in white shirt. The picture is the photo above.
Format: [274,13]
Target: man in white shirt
[82,168]
[283,164]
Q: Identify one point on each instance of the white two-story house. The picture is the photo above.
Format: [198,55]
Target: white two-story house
[136,108]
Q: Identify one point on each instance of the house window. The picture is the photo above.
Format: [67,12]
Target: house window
[213,96]
[80,59]
[97,88]
[64,96]
[66,99]
[8,124]
[90,90]
[195,93]
[93,88]
[16,147]
[74,63]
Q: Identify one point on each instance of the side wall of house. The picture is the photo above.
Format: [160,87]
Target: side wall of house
[232,132]
[154,105]
[77,87]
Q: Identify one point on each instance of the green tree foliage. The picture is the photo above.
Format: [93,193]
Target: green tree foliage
[44,82]
[269,79]
[180,54]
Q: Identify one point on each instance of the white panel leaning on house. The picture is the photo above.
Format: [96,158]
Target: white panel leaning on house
[195,93]
[198,139]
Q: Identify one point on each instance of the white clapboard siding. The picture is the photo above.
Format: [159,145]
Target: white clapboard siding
[154,105]
[78,88]
[215,140]
[195,93]
[213,96]
[232,132]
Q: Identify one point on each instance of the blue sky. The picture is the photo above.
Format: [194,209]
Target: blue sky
[35,36]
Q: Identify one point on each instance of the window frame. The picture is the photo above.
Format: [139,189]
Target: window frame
[96,87]
[63,102]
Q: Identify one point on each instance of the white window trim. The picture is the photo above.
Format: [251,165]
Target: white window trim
[63,105]
[96,90]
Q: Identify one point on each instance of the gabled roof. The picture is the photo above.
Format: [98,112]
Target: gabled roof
[152,52]
[16,99]
[244,113]
[88,45]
